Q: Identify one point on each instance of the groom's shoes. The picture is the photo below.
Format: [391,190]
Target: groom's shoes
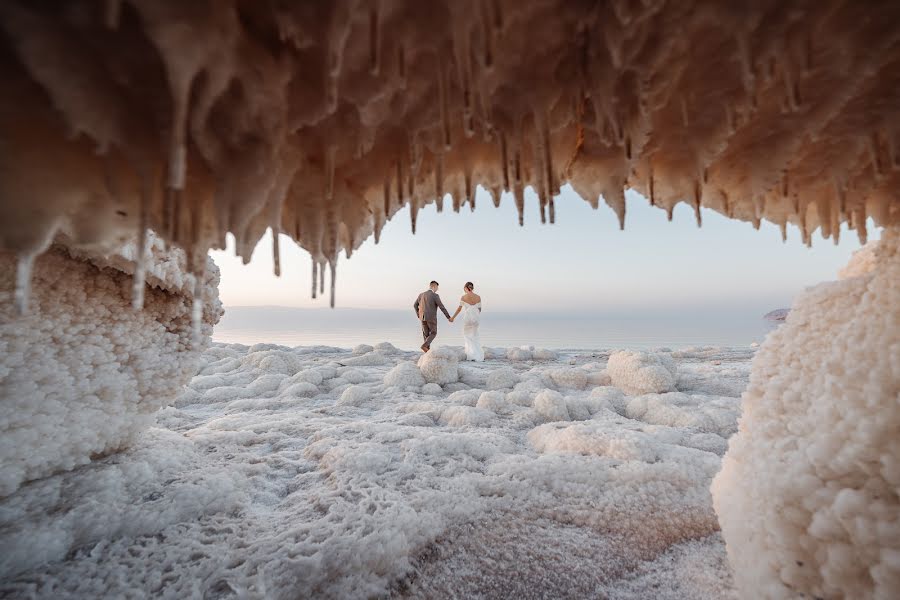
[424,348]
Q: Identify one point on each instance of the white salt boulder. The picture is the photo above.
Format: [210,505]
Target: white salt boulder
[440,366]
[610,396]
[464,397]
[355,395]
[386,348]
[569,378]
[362,349]
[467,416]
[351,374]
[404,375]
[595,378]
[492,400]
[642,372]
[520,397]
[519,354]
[809,491]
[304,389]
[551,406]
[544,354]
[371,359]
[431,389]
[503,378]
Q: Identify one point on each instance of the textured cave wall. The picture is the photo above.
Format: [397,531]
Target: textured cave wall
[82,373]
[809,493]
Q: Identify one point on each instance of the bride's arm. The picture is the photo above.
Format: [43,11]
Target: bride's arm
[458,308]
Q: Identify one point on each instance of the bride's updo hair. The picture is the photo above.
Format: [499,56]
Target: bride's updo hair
[470,286]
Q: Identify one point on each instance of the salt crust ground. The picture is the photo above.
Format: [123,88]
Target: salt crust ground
[285,473]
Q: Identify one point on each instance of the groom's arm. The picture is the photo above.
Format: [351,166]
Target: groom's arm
[416,305]
[443,308]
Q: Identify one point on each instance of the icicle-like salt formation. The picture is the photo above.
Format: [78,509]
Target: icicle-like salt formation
[24,265]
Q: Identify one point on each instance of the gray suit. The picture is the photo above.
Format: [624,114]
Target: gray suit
[426,306]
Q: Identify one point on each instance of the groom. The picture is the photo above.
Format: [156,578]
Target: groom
[426,306]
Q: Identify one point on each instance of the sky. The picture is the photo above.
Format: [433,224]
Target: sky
[582,264]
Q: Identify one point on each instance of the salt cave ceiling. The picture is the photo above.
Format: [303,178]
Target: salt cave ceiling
[323,119]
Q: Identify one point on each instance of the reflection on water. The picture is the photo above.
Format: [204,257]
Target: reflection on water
[348,327]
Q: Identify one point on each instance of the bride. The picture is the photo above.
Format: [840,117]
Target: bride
[470,305]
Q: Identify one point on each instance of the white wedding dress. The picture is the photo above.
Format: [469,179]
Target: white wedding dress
[471,318]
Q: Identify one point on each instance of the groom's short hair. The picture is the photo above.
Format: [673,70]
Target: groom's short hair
[433,283]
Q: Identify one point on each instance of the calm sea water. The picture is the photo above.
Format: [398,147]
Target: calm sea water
[349,327]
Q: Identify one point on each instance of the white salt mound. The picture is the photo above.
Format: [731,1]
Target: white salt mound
[440,366]
[405,374]
[354,395]
[642,372]
[432,389]
[551,406]
[809,491]
[82,373]
[503,378]
[569,378]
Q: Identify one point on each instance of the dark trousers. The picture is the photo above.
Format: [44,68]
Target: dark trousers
[429,332]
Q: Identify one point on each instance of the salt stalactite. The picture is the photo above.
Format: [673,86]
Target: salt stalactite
[276,253]
[439,181]
[332,264]
[315,276]
[374,38]
[140,268]
[24,265]
[197,310]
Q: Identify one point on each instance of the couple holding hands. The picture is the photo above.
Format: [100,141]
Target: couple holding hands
[427,305]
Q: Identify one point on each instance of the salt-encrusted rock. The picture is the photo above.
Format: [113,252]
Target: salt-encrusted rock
[473,377]
[551,406]
[355,395]
[599,378]
[439,365]
[519,354]
[351,374]
[82,373]
[642,372]
[464,397]
[544,354]
[303,389]
[371,359]
[404,374]
[569,378]
[809,492]
[492,400]
[362,349]
[583,408]
[312,376]
[503,378]
[611,396]
[272,360]
[386,348]
[461,416]
[265,384]
[432,389]
[520,397]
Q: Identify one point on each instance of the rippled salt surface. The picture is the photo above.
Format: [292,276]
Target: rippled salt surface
[285,473]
